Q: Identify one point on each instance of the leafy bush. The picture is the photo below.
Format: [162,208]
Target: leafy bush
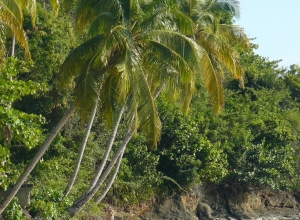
[13,211]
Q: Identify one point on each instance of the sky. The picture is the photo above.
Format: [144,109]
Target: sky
[276,26]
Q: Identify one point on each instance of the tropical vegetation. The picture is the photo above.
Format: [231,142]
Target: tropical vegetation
[125,100]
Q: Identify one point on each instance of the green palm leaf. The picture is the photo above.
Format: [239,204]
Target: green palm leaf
[55,6]
[169,19]
[102,24]
[223,52]
[76,59]
[234,35]
[213,83]
[89,10]
[13,23]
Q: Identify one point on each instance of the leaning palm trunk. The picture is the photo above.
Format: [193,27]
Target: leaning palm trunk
[113,177]
[77,206]
[111,180]
[36,158]
[108,149]
[13,45]
[82,148]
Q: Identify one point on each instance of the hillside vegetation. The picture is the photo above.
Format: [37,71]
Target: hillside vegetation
[119,102]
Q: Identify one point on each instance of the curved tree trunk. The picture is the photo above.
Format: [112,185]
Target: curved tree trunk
[36,158]
[111,180]
[108,149]
[81,151]
[77,206]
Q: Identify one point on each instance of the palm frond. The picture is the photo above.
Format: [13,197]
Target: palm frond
[31,8]
[75,60]
[148,116]
[110,95]
[185,49]
[12,22]
[15,7]
[169,19]
[131,10]
[213,83]
[182,58]
[234,35]
[224,53]
[172,62]
[102,24]
[84,14]
[55,6]
[232,6]
[118,40]
[88,10]
[87,89]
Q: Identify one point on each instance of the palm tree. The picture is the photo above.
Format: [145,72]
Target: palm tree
[143,38]
[222,42]
[133,48]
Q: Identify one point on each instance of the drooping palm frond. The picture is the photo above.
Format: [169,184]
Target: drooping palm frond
[30,7]
[87,91]
[110,96]
[169,19]
[15,8]
[76,59]
[234,35]
[173,69]
[219,6]
[213,83]
[221,51]
[13,23]
[102,24]
[131,11]
[149,121]
[184,48]
[183,58]
[232,6]
[55,6]
[89,10]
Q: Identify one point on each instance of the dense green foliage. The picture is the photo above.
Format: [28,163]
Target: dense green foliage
[252,143]
[19,129]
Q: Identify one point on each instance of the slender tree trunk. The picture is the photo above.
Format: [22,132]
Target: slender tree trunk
[111,180]
[44,7]
[108,149]
[77,206]
[13,45]
[81,151]
[36,158]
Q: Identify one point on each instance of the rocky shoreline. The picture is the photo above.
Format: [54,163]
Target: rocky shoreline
[201,204]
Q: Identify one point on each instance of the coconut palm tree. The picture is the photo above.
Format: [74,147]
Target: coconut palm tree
[157,41]
[222,42]
[134,47]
